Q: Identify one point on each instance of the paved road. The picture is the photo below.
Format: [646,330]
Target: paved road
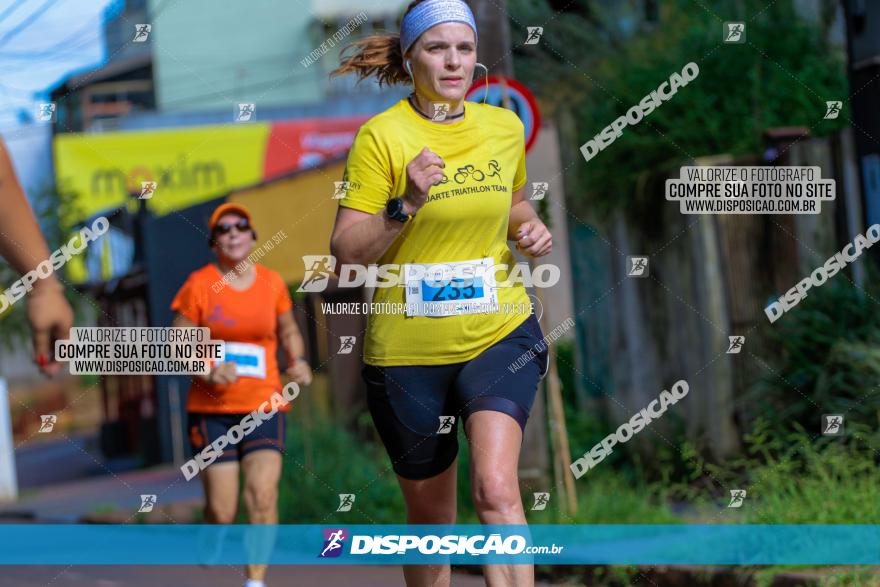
[194,576]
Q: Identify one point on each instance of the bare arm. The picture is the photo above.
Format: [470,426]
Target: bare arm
[295,349]
[291,339]
[526,228]
[520,211]
[23,246]
[21,242]
[361,238]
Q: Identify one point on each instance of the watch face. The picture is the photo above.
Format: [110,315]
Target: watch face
[395,210]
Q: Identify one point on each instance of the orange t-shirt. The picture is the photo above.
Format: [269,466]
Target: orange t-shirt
[248,317]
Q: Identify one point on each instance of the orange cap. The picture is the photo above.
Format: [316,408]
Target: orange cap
[226,208]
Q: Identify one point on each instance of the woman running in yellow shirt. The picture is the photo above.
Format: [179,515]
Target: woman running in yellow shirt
[434,181]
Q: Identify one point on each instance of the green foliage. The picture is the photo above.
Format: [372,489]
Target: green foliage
[612,497]
[13,321]
[771,80]
[831,484]
[584,424]
[828,360]
[789,478]
[624,575]
[577,35]
[324,460]
[298,297]
[853,576]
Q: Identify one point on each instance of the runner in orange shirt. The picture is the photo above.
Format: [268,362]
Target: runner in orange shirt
[247,306]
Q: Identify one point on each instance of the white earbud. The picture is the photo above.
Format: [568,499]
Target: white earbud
[486,93]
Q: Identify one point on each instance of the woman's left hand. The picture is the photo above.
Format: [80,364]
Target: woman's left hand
[534,239]
[300,373]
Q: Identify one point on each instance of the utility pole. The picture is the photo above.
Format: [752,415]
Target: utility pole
[493,44]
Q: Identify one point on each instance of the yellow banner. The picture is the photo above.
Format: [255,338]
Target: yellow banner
[191,165]
[300,208]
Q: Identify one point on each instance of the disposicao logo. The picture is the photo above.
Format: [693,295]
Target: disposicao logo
[334,542]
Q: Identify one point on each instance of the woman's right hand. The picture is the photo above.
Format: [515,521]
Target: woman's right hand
[422,173]
[50,318]
[223,374]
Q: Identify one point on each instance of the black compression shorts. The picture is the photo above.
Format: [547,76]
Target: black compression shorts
[410,404]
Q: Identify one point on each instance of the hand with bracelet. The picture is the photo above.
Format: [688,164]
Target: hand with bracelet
[221,374]
[298,370]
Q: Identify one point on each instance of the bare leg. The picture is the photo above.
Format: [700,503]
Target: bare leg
[262,471]
[430,501]
[494,439]
[220,481]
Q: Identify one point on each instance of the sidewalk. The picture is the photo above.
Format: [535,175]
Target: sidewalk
[72,501]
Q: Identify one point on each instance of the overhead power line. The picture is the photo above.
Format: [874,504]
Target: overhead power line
[27,21]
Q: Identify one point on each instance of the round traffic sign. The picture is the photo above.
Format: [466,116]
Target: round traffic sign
[520,100]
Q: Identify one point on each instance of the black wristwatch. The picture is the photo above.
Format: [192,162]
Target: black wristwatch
[394,210]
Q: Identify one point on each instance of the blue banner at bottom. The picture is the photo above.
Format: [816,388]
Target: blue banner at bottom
[45,544]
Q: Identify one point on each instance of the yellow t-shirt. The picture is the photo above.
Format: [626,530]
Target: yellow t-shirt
[465,218]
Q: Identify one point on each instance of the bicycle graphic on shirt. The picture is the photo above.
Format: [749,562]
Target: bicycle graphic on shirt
[471,171]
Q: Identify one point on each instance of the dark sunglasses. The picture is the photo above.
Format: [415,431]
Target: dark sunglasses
[223,228]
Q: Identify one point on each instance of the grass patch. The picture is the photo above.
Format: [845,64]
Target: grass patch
[323,460]
[789,479]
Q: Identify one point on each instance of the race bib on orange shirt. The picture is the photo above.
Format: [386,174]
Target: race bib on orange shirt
[249,359]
